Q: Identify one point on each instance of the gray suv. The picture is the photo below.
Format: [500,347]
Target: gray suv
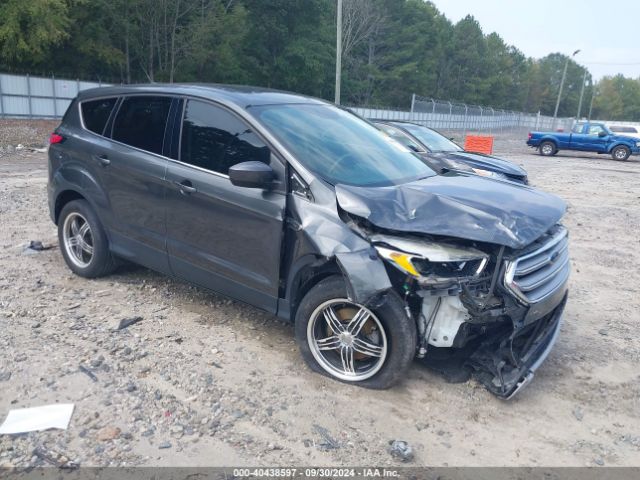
[305,210]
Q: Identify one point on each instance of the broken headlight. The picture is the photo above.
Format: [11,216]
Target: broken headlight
[434,261]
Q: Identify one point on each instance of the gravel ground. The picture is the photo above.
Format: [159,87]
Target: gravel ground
[28,133]
[202,380]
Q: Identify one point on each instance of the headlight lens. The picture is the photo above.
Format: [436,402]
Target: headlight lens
[401,260]
[637,144]
[488,173]
[433,261]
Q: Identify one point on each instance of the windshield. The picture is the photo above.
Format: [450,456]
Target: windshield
[431,139]
[340,147]
[399,137]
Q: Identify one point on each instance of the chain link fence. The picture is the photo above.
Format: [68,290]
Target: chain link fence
[463,118]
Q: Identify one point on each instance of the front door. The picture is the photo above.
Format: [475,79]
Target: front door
[221,236]
[591,139]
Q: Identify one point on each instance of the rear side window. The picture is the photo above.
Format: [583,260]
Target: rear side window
[214,139]
[141,122]
[95,113]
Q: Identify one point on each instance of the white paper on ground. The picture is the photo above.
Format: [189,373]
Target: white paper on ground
[33,419]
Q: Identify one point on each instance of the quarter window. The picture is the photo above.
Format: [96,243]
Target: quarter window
[214,139]
[141,122]
[95,114]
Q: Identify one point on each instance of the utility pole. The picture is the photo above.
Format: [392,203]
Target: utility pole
[593,94]
[338,51]
[564,75]
[584,81]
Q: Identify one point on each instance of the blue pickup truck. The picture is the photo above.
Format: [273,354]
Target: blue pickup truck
[585,137]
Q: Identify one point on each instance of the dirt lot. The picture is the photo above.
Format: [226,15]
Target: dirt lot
[203,380]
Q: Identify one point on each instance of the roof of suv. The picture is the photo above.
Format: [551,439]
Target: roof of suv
[243,96]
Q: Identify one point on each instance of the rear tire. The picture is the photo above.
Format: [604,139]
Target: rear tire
[548,149]
[380,350]
[620,153]
[83,241]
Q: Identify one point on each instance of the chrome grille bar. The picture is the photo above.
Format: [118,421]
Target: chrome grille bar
[536,275]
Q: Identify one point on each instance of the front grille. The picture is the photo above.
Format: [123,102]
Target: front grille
[536,275]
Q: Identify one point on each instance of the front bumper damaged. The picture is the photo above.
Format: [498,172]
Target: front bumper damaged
[506,362]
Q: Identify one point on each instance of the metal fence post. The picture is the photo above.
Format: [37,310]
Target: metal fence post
[29,96]
[493,119]
[450,114]
[434,121]
[1,100]
[464,125]
[413,102]
[481,122]
[55,100]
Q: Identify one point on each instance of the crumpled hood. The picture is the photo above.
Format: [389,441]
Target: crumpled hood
[463,206]
[486,162]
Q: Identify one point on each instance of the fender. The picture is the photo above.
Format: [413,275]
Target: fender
[617,143]
[75,177]
[548,138]
[326,244]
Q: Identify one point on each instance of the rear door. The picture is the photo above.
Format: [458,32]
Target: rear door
[133,174]
[221,236]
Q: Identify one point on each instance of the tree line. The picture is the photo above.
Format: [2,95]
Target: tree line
[391,49]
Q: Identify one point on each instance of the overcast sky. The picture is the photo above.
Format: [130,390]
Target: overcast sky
[606,31]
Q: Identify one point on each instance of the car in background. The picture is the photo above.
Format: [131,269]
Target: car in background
[445,155]
[585,137]
[626,130]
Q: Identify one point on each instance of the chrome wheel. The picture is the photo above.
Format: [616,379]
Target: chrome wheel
[347,340]
[78,239]
[547,149]
[620,154]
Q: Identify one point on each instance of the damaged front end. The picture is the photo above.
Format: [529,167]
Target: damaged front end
[483,277]
[496,310]
[482,267]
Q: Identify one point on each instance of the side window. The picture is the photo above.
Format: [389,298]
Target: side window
[595,129]
[141,122]
[578,128]
[95,113]
[214,139]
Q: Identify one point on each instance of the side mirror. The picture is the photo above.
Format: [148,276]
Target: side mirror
[251,175]
[602,134]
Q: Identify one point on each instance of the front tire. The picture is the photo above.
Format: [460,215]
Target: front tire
[346,341]
[620,153]
[548,149]
[83,241]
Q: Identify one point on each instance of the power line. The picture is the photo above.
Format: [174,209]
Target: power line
[611,63]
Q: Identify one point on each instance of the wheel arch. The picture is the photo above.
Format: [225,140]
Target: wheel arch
[63,198]
[550,140]
[618,144]
[307,272]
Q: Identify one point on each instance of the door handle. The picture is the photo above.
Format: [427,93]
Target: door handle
[185,186]
[103,160]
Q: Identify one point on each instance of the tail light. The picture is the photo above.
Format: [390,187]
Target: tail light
[529,135]
[55,138]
